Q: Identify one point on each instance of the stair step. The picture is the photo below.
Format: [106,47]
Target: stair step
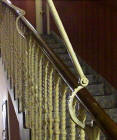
[48,39]
[64,57]
[73,70]
[106,102]
[56,45]
[96,89]
[56,37]
[69,63]
[60,50]
[91,79]
[112,113]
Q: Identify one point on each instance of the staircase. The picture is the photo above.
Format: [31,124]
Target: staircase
[41,84]
[98,86]
[101,90]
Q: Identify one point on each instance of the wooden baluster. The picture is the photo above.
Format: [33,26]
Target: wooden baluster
[82,118]
[93,133]
[13,53]
[11,23]
[73,130]
[40,96]
[4,39]
[2,34]
[56,107]
[18,79]
[16,40]
[64,90]
[26,83]
[50,101]
[1,40]
[37,91]
[45,97]
[32,89]
[1,20]
[28,92]
[6,57]
[1,15]
[8,44]
[20,69]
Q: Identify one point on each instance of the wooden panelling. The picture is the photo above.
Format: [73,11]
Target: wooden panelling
[29,7]
[14,125]
[92,29]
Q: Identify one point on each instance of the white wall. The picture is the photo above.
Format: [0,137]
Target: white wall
[3,94]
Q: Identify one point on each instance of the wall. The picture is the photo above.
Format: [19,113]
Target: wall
[29,7]
[91,27]
[14,125]
[3,96]
[13,128]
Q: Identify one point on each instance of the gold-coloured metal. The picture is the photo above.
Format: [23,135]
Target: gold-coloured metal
[93,133]
[32,86]
[11,45]
[64,90]
[16,45]
[82,118]
[50,105]
[72,130]
[71,106]
[56,107]
[36,91]
[40,97]
[26,83]
[45,97]
[20,69]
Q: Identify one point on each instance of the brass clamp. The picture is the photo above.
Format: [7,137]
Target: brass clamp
[84,82]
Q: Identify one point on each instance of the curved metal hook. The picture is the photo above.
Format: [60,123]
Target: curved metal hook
[22,12]
[72,109]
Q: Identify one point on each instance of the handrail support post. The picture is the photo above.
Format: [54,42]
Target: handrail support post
[83,80]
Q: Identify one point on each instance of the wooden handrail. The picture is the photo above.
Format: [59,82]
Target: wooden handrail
[105,123]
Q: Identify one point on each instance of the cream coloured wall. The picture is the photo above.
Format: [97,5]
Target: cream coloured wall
[3,94]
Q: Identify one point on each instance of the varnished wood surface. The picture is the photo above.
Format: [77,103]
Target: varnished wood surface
[91,26]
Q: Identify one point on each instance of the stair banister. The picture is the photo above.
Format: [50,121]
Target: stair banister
[102,119]
[83,80]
